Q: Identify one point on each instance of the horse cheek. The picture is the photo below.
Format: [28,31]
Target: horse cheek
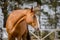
[27,20]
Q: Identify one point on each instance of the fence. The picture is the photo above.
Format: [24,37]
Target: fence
[52,30]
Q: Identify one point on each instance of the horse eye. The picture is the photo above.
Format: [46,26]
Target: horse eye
[34,16]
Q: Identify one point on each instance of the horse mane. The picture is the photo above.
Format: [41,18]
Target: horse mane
[19,20]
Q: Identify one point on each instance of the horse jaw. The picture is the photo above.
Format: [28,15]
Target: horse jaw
[35,26]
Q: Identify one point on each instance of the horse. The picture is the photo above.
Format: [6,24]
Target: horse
[17,21]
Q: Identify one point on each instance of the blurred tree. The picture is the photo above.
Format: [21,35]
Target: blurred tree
[52,21]
[4,9]
[38,1]
[54,5]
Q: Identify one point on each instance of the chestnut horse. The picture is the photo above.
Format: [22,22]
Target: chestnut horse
[17,22]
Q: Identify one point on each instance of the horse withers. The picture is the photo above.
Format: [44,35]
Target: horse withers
[17,22]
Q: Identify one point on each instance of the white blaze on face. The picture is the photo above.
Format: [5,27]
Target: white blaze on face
[37,24]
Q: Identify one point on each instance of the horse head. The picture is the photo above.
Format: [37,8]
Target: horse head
[31,19]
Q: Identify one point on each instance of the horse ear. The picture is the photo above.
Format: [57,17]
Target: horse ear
[32,9]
